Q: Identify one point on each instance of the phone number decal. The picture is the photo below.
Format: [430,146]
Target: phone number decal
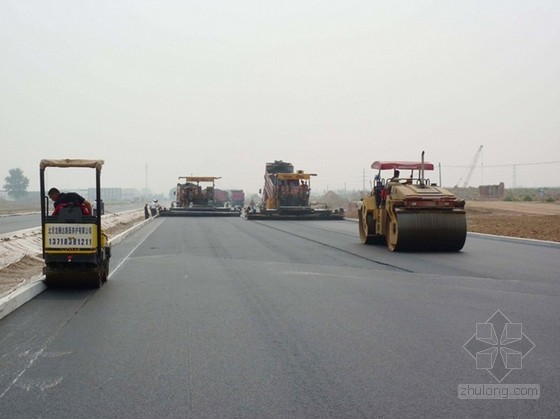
[77,242]
[63,236]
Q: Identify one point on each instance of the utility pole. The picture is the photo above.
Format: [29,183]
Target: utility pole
[481,167]
[363,180]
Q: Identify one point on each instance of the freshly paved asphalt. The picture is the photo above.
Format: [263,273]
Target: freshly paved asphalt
[219,317]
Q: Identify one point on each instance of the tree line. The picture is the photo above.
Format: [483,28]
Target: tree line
[16,183]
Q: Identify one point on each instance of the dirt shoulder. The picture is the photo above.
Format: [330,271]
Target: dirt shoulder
[512,208]
[531,220]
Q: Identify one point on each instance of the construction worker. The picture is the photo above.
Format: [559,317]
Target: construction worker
[146,212]
[62,200]
[154,207]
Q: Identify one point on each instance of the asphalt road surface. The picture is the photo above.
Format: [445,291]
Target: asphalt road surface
[224,317]
[19,222]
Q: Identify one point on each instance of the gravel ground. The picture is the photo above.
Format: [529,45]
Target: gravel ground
[530,220]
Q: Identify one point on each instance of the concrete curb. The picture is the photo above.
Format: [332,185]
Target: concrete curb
[120,237]
[22,295]
[546,243]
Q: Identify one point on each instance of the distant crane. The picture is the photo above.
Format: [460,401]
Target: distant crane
[470,169]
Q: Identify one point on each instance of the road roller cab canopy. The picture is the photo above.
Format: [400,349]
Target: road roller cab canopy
[94,164]
[198,179]
[402,165]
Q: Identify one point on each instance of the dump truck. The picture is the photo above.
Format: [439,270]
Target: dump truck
[286,196]
[195,197]
[410,213]
[75,248]
[237,198]
[229,198]
[221,198]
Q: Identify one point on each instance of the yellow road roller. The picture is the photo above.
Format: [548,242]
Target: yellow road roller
[75,249]
[409,212]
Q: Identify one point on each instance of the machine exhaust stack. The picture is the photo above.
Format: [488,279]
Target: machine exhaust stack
[422,178]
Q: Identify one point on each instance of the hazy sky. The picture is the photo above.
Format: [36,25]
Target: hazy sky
[219,88]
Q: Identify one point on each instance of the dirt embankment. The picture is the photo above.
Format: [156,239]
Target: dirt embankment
[531,220]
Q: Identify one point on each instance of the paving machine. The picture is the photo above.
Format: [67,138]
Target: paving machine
[286,196]
[411,213]
[192,199]
[75,249]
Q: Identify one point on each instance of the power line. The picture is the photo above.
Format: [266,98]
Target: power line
[524,164]
[511,164]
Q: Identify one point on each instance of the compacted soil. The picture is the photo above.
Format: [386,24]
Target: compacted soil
[531,220]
